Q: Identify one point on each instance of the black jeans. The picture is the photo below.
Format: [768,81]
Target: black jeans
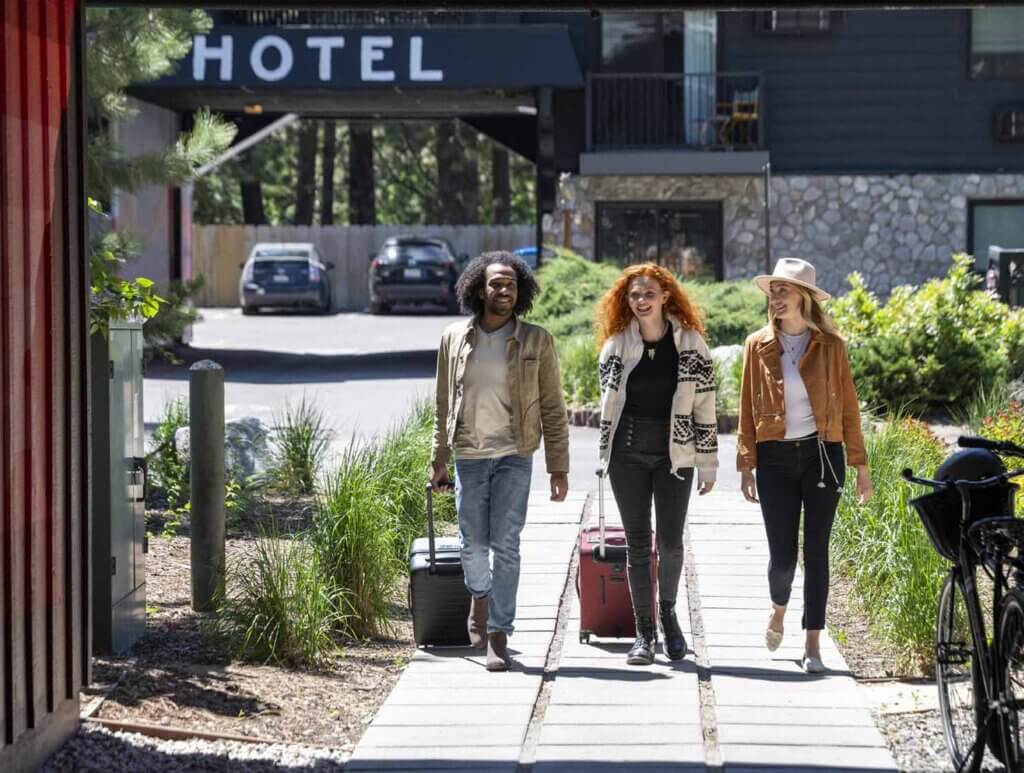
[639,468]
[789,474]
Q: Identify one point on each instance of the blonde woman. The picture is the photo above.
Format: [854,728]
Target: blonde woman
[798,409]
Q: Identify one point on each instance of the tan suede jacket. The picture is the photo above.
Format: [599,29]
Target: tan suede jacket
[826,372]
[535,386]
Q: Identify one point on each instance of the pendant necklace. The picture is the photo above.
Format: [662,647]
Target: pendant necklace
[652,349]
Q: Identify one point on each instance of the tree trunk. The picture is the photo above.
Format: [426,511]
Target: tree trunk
[305,192]
[502,189]
[361,184]
[330,150]
[457,173]
[252,202]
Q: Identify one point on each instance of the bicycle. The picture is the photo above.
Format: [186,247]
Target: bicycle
[980,676]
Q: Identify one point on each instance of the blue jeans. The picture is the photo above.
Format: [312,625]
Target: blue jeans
[491,497]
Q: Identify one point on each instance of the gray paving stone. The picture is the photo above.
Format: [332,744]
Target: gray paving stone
[799,735]
[427,698]
[434,757]
[395,715]
[799,715]
[476,678]
[609,735]
[667,755]
[419,736]
[851,757]
[580,714]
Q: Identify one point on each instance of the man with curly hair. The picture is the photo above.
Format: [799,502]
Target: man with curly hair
[498,392]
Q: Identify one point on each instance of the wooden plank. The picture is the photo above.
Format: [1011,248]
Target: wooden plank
[13,348]
[7,206]
[79,575]
[37,320]
[54,258]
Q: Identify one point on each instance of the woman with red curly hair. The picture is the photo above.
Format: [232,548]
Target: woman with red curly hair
[658,424]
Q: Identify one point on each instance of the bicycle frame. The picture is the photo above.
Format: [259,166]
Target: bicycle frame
[966,568]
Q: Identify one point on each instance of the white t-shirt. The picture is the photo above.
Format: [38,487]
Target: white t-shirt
[800,420]
[484,430]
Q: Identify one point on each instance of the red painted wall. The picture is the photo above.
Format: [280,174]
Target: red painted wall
[43,507]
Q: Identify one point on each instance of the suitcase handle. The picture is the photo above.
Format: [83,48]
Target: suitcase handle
[432,561]
[600,512]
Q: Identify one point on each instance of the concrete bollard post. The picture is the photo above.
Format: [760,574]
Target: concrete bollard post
[206,439]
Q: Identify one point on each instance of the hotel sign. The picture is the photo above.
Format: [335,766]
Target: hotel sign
[351,58]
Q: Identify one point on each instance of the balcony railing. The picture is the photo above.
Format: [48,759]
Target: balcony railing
[705,111]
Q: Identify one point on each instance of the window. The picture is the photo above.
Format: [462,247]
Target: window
[997,43]
[1009,124]
[794,22]
[685,237]
[641,42]
[994,224]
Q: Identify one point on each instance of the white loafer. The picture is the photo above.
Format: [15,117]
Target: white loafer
[772,638]
[813,665]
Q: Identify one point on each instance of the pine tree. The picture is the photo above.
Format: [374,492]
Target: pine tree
[127,46]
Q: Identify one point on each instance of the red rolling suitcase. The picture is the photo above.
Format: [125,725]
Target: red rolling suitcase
[601,581]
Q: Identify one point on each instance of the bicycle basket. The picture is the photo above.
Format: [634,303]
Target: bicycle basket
[941,511]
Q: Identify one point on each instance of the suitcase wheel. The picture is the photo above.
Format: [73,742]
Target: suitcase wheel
[584,637]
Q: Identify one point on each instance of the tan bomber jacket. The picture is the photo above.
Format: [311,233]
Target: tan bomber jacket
[535,386]
[825,369]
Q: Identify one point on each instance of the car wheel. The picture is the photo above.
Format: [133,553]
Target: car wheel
[248,310]
[379,307]
[453,305]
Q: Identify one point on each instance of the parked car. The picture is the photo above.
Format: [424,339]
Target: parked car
[416,270]
[529,254]
[285,275]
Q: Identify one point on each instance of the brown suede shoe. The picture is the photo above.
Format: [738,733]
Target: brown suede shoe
[498,658]
[476,624]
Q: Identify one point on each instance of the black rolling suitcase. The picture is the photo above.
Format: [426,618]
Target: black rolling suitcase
[438,598]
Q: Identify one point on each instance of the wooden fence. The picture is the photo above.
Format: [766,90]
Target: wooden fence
[218,251]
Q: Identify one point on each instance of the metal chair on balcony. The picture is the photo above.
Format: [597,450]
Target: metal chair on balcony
[744,117]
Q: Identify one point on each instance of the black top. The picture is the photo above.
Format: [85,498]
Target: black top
[652,383]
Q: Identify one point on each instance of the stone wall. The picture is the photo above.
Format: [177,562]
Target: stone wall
[894,229]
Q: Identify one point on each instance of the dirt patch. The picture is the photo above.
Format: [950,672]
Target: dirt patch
[867,656]
[177,676]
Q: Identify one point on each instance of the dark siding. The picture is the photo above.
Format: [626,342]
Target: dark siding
[43,488]
[884,91]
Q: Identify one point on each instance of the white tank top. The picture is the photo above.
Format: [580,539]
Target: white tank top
[799,414]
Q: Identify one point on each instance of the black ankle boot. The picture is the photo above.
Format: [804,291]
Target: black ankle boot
[642,652]
[675,642]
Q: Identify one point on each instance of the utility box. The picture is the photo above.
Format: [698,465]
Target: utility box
[119,541]
[1010,264]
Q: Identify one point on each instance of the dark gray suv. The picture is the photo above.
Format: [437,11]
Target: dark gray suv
[285,275]
[412,269]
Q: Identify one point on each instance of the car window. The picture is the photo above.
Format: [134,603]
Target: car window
[421,253]
[281,252]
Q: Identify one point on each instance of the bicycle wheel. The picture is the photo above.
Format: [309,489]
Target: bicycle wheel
[1011,666]
[958,675]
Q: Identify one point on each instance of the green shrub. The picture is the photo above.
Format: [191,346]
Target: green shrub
[168,472]
[402,458]
[882,545]
[930,346]
[303,439]
[732,310]
[281,606]
[353,541]
[577,356]
[1007,425]
[570,288]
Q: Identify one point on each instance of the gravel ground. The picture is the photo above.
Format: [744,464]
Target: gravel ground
[95,748]
[914,737]
[917,743]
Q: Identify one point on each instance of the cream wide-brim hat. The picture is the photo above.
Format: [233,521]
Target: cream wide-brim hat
[795,271]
